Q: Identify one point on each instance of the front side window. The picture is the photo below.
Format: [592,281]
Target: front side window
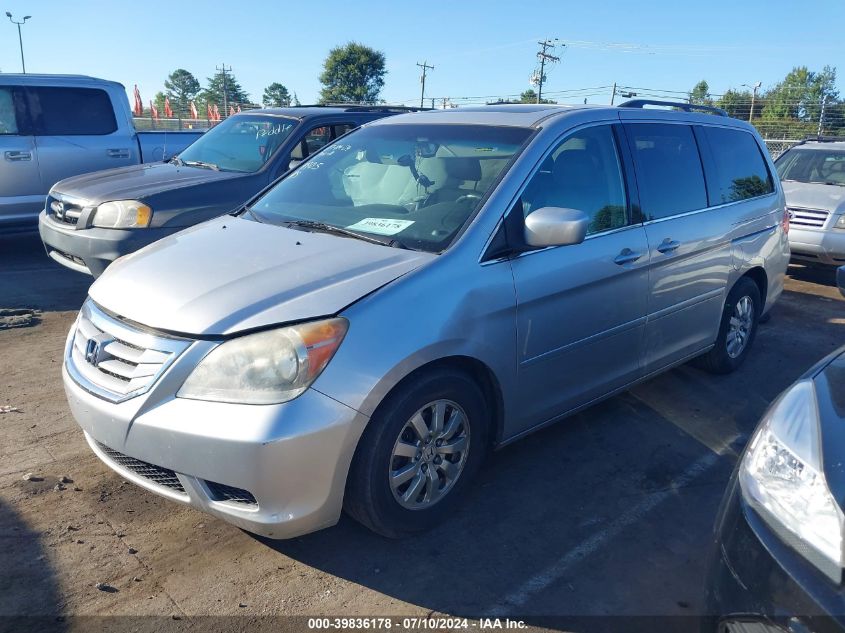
[741,172]
[582,173]
[823,166]
[413,185]
[243,143]
[71,112]
[668,167]
[8,120]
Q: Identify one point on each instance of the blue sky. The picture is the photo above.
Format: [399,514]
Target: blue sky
[478,48]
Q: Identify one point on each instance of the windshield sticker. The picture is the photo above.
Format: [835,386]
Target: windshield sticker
[381,226]
[273,130]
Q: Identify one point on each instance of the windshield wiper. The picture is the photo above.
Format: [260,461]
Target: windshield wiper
[247,210]
[177,161]
[337,230]
[200,163]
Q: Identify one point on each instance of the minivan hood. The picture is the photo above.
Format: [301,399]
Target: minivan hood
[813,195]
[232,274]
[136,182]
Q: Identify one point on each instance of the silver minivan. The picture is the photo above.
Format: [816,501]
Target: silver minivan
[422,290]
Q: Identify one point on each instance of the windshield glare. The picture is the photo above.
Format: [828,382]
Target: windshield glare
[416,184]
[813,165]
[240,143]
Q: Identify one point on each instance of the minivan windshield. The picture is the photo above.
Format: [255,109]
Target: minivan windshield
[824,166]
[409,185]
[245,143]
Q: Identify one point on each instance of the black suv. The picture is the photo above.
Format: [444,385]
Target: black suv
[92,219]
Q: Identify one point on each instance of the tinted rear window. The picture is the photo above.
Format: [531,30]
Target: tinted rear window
[668,167]
[741,171]
[71,111]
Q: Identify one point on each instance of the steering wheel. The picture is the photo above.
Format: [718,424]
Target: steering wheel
[467,196]
[217,151]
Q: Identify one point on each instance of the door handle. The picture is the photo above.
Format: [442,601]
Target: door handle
[627,256]
[18,155]
[117,153]
[668,246]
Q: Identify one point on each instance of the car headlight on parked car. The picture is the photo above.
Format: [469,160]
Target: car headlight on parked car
[122,214]
[782,478]
[840,223]
[267,367]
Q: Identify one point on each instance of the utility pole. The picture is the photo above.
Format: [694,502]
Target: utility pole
[613,94]
[754,90]
[544,56]
[821,116]
[425,67]
[20,38]
[224,70]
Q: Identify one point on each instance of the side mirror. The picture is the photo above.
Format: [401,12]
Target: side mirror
[293,162]
[840,279]
[555,226]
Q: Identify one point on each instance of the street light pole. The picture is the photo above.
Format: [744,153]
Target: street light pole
[20,37]
[754,90]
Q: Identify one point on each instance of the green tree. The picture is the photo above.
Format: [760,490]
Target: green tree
[182,88]
[700,94]
[159,103]
[276,96]
[799,96]
[737,103]
[213,92]
[352,73]
[529,96]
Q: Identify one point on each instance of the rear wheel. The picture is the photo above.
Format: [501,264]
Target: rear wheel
[418,454]
[737,330]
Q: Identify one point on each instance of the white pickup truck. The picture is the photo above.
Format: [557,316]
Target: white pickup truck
[56,126]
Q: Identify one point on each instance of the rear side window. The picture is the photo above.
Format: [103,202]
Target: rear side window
[668,167]
[740,171]
[8,120]
[71,112]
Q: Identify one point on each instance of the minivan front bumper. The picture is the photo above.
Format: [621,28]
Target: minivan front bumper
[91,250]
[276,470]
[822,246]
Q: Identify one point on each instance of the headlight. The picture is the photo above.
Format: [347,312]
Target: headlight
[781,476]
[122,214]
[266,367]
[840,223]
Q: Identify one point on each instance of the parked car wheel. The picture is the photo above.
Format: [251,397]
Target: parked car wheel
[418,454]
[737,330]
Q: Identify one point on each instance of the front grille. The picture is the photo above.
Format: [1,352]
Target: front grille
[73,258]
[807,218]
[63,210]
[222,492]
[114,360]
[152,473]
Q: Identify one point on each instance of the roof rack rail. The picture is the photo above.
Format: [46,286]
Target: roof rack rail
[686,107]
[821,139]
[363,107]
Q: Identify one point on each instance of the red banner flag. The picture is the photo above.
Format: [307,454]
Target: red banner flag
[210,113]
[153,111]
[194,113]
[216,113]
[239,107]
[168,111]
[232,110]
[138,110]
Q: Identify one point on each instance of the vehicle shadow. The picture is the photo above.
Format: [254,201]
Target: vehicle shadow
[558,531]
[821,275]
[30,279]
[30,599]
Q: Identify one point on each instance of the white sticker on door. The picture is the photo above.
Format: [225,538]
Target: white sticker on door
[381,226]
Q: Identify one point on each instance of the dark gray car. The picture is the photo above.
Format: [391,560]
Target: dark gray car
[91,220]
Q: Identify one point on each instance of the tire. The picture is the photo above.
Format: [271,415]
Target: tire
[721,359]
[373,499]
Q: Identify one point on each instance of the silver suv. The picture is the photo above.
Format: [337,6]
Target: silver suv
[427,287]
[813,176]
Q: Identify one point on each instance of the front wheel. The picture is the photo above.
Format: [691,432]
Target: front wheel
[737,330]
[418,454]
